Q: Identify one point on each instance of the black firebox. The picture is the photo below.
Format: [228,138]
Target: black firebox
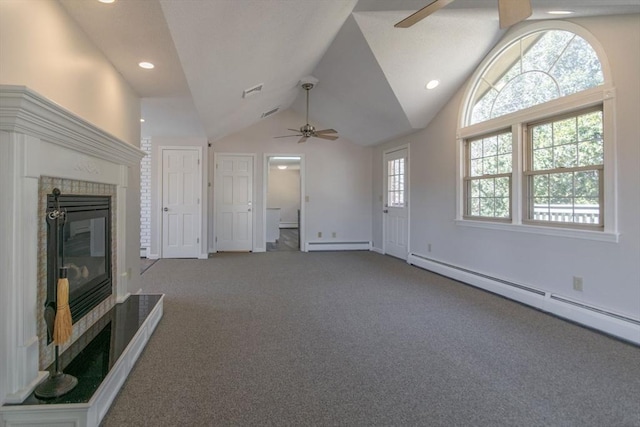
[79,239]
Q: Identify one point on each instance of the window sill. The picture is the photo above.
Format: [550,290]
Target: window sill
[601,236]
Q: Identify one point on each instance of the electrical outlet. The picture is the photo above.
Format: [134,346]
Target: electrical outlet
[333,234]
[320,234]
[577,283]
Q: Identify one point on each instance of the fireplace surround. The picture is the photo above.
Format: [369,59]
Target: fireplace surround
[43,146]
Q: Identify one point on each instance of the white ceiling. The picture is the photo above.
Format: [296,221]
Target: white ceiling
[371,75]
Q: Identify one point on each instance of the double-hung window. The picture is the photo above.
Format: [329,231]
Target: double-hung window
[565,170]
[488,176]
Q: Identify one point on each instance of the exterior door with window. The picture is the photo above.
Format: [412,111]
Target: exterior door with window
[234,199]
[396,207]
[181,178]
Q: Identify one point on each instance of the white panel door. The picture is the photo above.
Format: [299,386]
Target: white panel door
[396,206]
[234,194]
[181,178]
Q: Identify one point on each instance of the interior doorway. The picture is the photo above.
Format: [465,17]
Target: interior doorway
[284,213]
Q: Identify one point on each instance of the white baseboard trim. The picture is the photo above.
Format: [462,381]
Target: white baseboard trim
[338,246]
[153,256]
[284,224]
[377,250]
[602,320]
[143,253]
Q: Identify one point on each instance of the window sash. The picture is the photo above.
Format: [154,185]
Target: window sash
[470,197]
[470,179]
[569,215]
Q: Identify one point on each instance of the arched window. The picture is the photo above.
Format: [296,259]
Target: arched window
[535,133]
[536,68]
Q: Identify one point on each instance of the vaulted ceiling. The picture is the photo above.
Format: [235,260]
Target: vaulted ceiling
[371,76]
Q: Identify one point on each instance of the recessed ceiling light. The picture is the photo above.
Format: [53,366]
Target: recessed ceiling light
[282,167]
[432,84]
[560,12]
[146,65]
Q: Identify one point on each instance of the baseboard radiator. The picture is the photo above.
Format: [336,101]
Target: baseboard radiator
[620,326]
[338,246]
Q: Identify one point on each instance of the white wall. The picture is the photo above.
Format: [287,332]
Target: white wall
[156,189]
[42,48]
[337,178]
[611,271]
[284,193]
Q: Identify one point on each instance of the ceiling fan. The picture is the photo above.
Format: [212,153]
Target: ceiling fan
[510,11]
[308,131]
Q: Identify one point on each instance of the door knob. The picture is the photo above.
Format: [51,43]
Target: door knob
[166,209]
[385,211]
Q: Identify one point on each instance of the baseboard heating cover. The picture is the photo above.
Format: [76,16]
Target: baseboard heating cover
[615,324]
[338,246]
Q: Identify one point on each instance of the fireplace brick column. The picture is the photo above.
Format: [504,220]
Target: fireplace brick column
[39,138]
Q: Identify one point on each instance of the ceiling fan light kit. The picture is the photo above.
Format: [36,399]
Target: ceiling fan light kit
[308,131]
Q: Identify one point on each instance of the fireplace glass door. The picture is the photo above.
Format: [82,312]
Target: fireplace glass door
[81,242]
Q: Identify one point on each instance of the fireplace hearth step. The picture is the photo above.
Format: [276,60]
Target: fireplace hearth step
[101,360]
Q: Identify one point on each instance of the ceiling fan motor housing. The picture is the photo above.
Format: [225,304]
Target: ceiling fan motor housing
[307,130]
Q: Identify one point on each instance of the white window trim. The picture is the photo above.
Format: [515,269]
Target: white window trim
[604,94]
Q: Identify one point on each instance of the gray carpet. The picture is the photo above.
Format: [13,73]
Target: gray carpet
[357,338]
[146,263]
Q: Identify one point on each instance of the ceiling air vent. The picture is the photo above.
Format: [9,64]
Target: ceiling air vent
[270,112]
[252,90]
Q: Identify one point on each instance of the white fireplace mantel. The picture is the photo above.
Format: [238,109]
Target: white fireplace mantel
[40,138]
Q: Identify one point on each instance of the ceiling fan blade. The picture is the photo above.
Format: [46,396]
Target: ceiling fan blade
[513,11]
[293,130]
[303,139]
[287,136]
[329,137]
[422,13]
[327,131]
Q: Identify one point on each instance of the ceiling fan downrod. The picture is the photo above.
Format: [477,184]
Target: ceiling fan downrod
[307,129]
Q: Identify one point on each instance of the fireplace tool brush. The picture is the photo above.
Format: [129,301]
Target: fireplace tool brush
[59,323]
